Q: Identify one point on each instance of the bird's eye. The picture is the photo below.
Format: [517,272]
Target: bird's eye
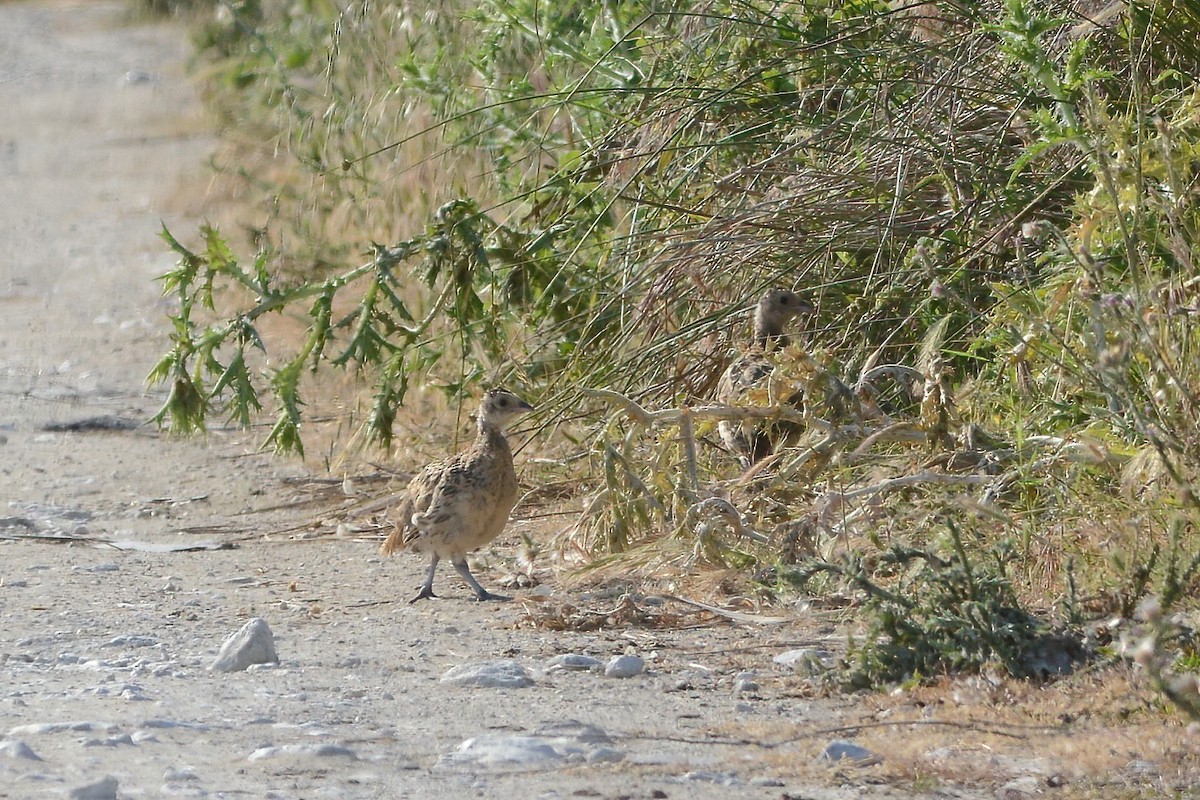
[785,300]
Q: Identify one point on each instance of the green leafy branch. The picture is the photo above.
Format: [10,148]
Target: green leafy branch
[209,364]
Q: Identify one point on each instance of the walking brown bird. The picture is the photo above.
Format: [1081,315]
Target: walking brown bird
[455,506]
[753,442]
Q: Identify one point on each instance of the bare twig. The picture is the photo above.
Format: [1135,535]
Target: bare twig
[917,479]
[735,616]
[716,411]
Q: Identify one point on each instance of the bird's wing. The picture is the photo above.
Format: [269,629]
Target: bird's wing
[459,493]
[414,500]
[741,375]
[435,490]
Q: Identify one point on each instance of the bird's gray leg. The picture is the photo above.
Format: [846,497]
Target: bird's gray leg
[481,594]
[427,589]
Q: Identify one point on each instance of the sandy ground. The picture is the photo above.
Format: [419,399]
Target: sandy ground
[128,557]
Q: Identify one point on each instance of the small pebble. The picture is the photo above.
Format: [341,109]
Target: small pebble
[489,674]
[744,683]
[303,751]
[132,641]
[624,666]
[525,752]
[1026,788]
[718,778]
[180,775]
[566,742]
[805,661]
[252,644]
[82,726]
[103,789]
[845,750]
[109,741]
[15,748]
[570,662]
[605,755]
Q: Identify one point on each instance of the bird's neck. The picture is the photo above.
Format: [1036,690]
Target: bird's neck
[766,338]
[489,430]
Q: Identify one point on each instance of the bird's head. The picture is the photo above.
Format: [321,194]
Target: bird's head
[499,407]
[776,309]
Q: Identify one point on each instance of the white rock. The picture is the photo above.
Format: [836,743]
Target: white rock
[103,789]
[624,666]
[132,641]
[180,775]
[509,752]
[573,662]
[554,745]
[303,751]
[701,776]
[805,661]
[59,727]
[15,748]
[253,644]
[489,674]
[605,755]
[572,730]
[744,683]
[842,749]
[1026,788]
[109,741]
[155,722]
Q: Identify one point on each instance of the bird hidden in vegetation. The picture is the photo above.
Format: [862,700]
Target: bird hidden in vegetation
[750,441]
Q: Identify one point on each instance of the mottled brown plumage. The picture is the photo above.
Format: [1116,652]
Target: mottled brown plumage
[456,506]
[774,311]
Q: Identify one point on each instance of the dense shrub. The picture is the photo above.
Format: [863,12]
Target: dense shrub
[998,198]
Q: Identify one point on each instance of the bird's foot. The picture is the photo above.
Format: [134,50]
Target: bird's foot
[484,595]
[426,593]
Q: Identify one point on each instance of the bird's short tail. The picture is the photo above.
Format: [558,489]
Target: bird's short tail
[394,541]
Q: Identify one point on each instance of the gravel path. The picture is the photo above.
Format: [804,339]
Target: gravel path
[128,558]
